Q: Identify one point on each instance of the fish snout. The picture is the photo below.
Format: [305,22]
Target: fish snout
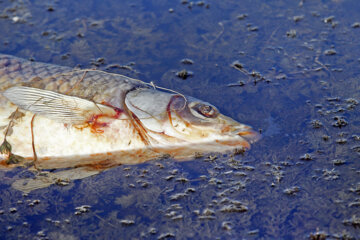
[249,135]
[234,128]
[245,132]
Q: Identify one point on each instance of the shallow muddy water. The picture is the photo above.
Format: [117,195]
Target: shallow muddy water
[290,69]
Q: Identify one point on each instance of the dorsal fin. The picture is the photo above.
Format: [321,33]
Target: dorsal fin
[56,106]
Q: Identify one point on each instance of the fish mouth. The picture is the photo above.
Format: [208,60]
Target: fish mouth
[241,137]
[245,132]
[238,130]
[249,135]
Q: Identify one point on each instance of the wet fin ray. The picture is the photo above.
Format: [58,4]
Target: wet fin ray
[56,106]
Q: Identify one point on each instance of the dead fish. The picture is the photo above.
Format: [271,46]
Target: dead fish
[59,117]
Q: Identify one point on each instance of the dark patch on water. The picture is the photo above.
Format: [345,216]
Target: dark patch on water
[288,68]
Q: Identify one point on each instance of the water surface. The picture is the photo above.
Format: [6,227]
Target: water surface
[288,68]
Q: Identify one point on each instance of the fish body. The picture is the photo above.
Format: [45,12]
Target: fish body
[60,117]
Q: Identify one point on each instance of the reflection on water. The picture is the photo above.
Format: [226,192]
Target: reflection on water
[288,69]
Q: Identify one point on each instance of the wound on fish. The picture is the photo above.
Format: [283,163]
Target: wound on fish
[96,125]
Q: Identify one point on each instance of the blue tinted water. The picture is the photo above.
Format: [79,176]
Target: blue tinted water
[279,66]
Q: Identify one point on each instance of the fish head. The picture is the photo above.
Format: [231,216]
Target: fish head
[175,119]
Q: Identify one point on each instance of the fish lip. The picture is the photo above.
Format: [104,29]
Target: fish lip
[233,128]
[249,135]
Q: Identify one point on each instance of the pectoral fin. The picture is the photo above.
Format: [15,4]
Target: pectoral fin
[56,106]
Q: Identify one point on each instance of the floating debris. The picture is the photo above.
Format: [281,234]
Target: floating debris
[178,217]
[253,232]
[355,203]
[242,16]
[226,225]
[329,52]
[16,19]
[337,69]
[190,190]
[166,236]
[352,103]
[339,122]
[318,235]
[184,74]
[187,61]
[12,210]
[65,56]
[212,157]
[333,99]
[291,33]
[34,202]
[80,35]
[316,124]
[329,19]
[118,66]
[234,206]
[253,28]
[182,180]
[98,62]
[215,181]
[356,137]
[356,25]
[292,191]
[41,234]
[175,206]
[153,231]
[277,173]
[238,84]
[330,174]
[356,149]
[356,189]
[236,64]
[306,157]
[298,18]
[50,9]
[177,196]
[200,3]
[338,162]
[341,140]
[170,214]
[82,209]
[206,214]
[281,76]
[168,178]
[353,221]
[126,222]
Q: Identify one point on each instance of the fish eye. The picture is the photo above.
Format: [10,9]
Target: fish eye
[204,110]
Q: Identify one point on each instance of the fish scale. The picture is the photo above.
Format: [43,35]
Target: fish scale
[90,84]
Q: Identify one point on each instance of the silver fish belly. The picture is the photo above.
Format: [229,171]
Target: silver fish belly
[59,117]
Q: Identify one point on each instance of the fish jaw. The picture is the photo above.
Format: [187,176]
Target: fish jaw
[222,135]
[233,128]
